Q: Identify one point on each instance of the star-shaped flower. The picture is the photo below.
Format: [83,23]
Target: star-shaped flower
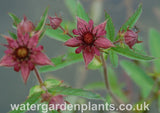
[89,39]
[23,53]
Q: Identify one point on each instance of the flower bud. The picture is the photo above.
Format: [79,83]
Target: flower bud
[55,22]
[56,102]
[131,38]
[25,26]
[46,97]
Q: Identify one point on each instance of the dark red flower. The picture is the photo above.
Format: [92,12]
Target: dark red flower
[89,39]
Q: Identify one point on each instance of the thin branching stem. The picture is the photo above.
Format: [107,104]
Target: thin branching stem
[117,41]
[39,79]
[65,31]
[115,98]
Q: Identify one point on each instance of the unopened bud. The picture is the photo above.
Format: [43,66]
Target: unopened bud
[55,22]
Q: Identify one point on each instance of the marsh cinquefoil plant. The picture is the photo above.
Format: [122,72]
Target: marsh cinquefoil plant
[95,42]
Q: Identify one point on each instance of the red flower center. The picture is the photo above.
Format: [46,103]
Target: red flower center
[22,53]
[88,38]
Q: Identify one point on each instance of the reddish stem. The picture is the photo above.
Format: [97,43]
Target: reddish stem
[39,79]
[116,41]
[38,76]
[65,31]
[115,98]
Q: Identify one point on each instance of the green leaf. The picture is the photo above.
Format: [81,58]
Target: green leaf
[68,25]
[139,48]
[133,19]
[15,19]
[72,6]
[110,27]
[75,92]
[139,105]
[95,63]
[95,86]
[81,12]
[53,111]
[14,36]
[131,54]
[35,89]
[42,22]
[41,35]
[31,100]
[115,85]
[139,77]
[159,103]
[154,40]
[57,35]
[62,61]
[113,58]
[49,83]
[108,99]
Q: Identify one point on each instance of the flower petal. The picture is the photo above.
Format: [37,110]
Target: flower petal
[19,32]
[12,43]
[25,26]
[39,48]
[41,59]
[90,24]
[73,42]
[100,34]
[99,30]
[26,39]
[131,34]
[34,40]
[96,51]
[31,65]
[88,55]
[9,39]
[79,49]
[17,67]
[7,61]
[130,38]
[57,101]
[81,23]
[25,71]
[20,42]
[55,22]
[75,32]
[8,51]
[103,43]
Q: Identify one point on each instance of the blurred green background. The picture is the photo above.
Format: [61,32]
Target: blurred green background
[12,88]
